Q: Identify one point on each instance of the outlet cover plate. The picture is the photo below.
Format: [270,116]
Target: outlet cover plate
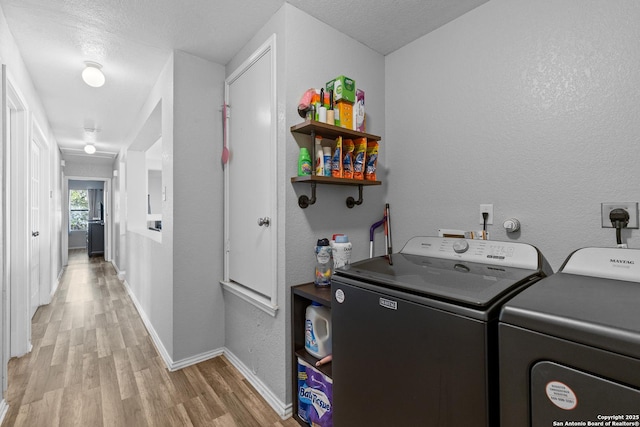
[489,209]
[631,207]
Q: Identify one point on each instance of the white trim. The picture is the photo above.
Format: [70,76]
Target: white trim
[108,223]
[266,303]
[4,408]
[121,274]
[55,285]
[180,364]
[18,222]
[263,303]
[147,323]
[284,410]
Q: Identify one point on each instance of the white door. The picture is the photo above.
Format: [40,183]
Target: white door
[34,270]
[250,175]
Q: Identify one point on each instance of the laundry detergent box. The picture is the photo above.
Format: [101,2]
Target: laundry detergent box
[344,89]
[315,396]
[359,122]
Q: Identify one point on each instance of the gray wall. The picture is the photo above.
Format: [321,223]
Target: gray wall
[198,209]
[531,106]
[76,168]
[259,340]
[176,280]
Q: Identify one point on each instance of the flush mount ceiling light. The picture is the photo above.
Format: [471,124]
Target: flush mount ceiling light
[92,74]
[90,136]
[89,148]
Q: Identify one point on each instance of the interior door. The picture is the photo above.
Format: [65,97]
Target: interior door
[250,174]
[34,270]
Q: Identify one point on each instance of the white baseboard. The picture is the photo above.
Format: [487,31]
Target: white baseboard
[283,409]
[152,332]
[195,359]
[122,275]
[4,407]
[54,288]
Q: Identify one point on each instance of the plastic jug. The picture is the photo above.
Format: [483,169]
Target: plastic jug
[341,250]
[317,331]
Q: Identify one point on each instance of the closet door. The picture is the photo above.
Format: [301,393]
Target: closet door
[250,178]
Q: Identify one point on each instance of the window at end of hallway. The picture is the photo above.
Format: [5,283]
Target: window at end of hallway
[78,210]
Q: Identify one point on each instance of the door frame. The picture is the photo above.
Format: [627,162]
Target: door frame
[269,303]
[108,224]
[47,287]
[16,221]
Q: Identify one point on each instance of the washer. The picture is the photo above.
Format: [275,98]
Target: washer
[570,345]
[415,340]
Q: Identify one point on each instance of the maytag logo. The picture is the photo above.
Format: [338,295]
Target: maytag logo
[387,303]
[622,261]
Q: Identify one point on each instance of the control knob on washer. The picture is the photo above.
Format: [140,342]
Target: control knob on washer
[460,246]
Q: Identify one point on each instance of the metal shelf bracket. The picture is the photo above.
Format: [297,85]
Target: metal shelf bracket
[304,201]
[351,202]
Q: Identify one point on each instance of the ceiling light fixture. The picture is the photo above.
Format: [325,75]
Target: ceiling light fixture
[92,74]
[89,148]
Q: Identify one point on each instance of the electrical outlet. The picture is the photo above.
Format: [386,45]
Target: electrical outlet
[631,207]
[489,210]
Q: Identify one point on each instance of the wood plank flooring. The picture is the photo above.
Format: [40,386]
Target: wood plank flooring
[94,364]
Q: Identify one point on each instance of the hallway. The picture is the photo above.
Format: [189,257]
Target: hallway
[93,363]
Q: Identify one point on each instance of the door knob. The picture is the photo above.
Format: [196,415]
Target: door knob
[264,221]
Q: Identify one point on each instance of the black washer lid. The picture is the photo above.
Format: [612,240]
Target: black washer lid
[473,284]
[475,273]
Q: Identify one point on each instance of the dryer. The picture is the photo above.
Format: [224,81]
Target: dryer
[570,345]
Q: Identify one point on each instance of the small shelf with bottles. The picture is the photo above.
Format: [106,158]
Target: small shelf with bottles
[301,297]
[314,128]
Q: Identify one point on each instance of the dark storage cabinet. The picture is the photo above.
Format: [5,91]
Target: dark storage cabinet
[301,297]
[95,238]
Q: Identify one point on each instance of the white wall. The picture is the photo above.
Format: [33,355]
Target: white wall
[119,204]
[21,80]
[260,341]
[149,263]
[531,106]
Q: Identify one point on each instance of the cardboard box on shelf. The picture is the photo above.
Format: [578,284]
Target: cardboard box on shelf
[343,88]
[359,122]
[344,114]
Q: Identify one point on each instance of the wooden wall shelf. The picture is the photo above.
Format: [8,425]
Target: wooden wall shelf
[313,128]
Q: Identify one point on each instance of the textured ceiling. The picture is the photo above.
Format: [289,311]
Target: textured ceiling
[133,39]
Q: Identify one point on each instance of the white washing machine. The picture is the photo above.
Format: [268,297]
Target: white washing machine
[570,345]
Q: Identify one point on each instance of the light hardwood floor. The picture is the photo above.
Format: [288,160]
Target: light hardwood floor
[94,364]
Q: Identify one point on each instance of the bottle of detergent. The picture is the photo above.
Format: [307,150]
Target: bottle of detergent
[324,263]
[341,250]
[317,331]
[304,162]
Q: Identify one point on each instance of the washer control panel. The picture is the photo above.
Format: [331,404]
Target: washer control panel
[512,254]
[607,263]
